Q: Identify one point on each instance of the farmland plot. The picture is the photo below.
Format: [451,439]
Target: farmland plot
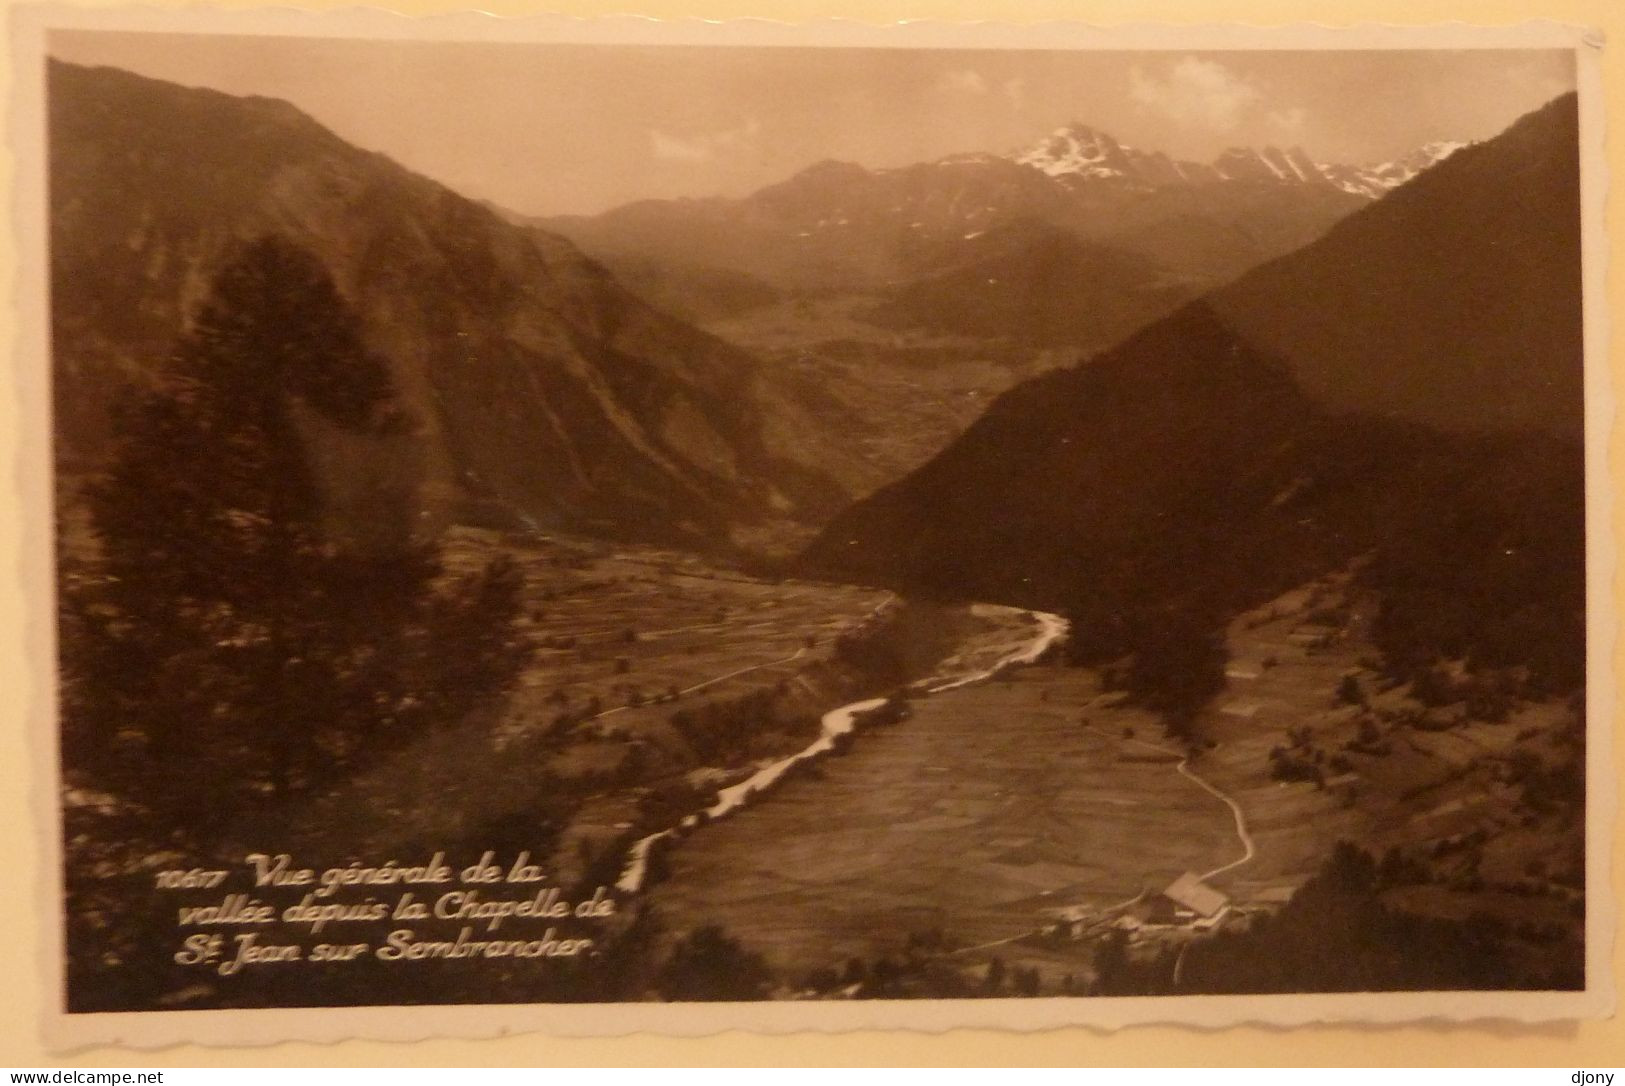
[989,806]
[623,637]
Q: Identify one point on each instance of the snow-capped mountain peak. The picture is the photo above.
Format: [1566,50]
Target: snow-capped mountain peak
[1077,153]
[1076,150]
[1376,179]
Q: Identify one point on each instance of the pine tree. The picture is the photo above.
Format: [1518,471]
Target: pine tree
[251,633]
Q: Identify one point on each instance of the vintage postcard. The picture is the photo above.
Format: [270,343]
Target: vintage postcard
[610,526]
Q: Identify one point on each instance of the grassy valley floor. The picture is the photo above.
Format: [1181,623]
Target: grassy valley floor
[1012,820]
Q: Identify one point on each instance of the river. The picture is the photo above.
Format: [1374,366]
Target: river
[838,722]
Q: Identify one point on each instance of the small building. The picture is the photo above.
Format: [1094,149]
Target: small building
[1078,921]
[1191,894]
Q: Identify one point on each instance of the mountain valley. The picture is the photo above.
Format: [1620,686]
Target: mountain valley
[1078,571]
[541,392]
[963,276]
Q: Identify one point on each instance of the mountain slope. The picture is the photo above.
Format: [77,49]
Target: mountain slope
[992,267]
[834,225]
[541,388]
[837,225]
[1033,283]
[1225,453]
[1453,301]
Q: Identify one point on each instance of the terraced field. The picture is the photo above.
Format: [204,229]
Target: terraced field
[886,399]
[624,636]
[991,805]
[990,808]
[621,633]
[1435,782]
[997,804]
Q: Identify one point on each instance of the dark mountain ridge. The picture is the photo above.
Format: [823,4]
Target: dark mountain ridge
[1280,428]
[1456,300]
[543,392]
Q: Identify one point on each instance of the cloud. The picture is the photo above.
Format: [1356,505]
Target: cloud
[670,147]
[1287,123]
[963,81]
[1196,92]
[702,147]
[1015,91]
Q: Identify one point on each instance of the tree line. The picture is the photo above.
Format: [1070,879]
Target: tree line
[260,614]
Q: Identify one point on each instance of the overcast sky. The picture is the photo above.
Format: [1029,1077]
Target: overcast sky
[549,129]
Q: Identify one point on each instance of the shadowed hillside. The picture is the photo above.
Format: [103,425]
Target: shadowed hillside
[542,390]
[1217,456]
[1455,300]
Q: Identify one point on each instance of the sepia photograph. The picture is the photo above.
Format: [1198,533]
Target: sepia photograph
[582,522]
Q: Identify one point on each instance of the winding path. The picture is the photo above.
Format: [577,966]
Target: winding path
[708,682]
[1249,848]
[1183,768]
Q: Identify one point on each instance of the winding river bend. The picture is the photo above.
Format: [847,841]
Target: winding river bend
[838,722]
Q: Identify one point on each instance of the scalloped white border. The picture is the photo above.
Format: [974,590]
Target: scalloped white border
[152,1029]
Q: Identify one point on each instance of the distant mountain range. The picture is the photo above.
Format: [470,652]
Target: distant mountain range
[997,266]
[543,391]
[1078,154]
[1404,390]
[837,225]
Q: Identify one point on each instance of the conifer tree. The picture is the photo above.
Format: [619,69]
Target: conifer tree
[240,644]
